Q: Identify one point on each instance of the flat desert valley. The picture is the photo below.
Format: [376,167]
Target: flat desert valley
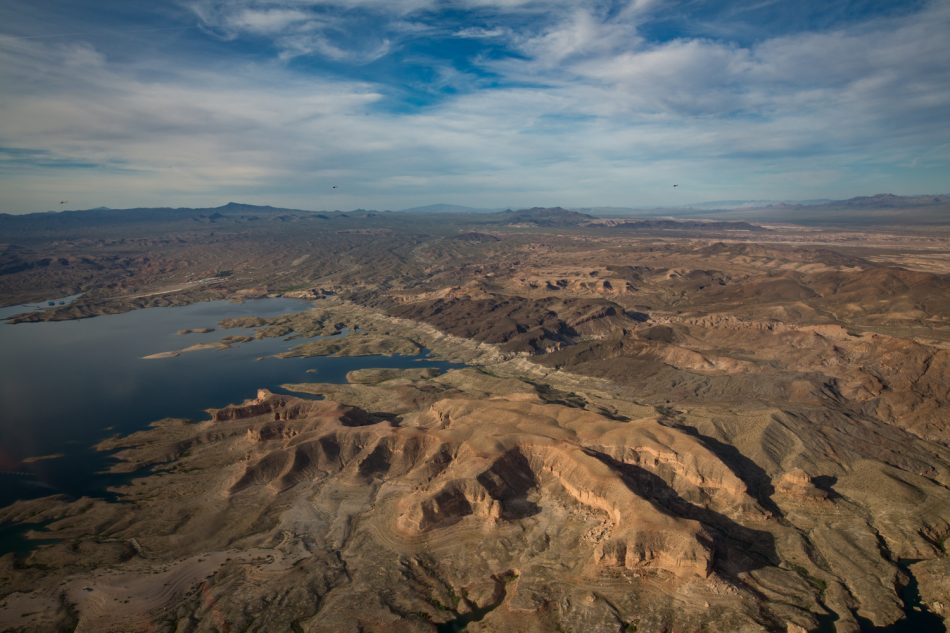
[553,421]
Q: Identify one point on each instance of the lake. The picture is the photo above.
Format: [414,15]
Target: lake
[68,384]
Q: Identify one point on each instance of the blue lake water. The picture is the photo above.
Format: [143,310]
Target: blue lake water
[67,384]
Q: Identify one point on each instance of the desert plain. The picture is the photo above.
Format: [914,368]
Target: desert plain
[653,425]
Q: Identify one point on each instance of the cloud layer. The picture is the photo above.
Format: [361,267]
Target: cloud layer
[481,102]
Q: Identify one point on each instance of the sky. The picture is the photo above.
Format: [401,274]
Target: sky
[389,104]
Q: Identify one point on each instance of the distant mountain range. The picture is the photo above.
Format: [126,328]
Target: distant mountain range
[790,210]
[75,222]
[447,208]
[882,208]
[150,213]
[882,201]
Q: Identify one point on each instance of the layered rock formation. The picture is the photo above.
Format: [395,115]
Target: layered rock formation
[666,431]
[451,507]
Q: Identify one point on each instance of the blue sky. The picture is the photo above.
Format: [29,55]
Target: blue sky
[488,103]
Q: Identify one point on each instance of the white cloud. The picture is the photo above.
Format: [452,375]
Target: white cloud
[266,21]
[330,27]
[477,32]
[579,34]
[307,43]
[612,119]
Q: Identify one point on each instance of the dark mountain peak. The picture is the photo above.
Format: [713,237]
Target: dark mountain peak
[242,207]
[549,211]
[444,208]
[891,201]
[546,216]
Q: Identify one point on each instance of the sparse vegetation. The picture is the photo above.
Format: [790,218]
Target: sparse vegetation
[646,405]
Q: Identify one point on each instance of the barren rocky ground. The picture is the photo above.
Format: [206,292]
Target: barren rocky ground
[661,427]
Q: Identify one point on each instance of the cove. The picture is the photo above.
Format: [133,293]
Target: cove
[68,384]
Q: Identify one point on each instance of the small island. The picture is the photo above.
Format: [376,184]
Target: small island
[195,330]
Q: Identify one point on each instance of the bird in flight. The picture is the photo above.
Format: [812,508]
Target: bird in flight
[63,201]
[334,186]
[675,186]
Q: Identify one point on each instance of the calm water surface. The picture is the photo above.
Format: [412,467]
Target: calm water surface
[65,385]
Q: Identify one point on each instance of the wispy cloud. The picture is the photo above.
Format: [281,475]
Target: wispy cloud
[527,103]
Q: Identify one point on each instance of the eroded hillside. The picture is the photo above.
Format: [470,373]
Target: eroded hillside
[722,428]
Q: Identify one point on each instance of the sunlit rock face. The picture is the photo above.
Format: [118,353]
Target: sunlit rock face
[659,427]
[501,507]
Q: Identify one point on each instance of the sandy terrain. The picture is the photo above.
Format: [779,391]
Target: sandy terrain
[659,429]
